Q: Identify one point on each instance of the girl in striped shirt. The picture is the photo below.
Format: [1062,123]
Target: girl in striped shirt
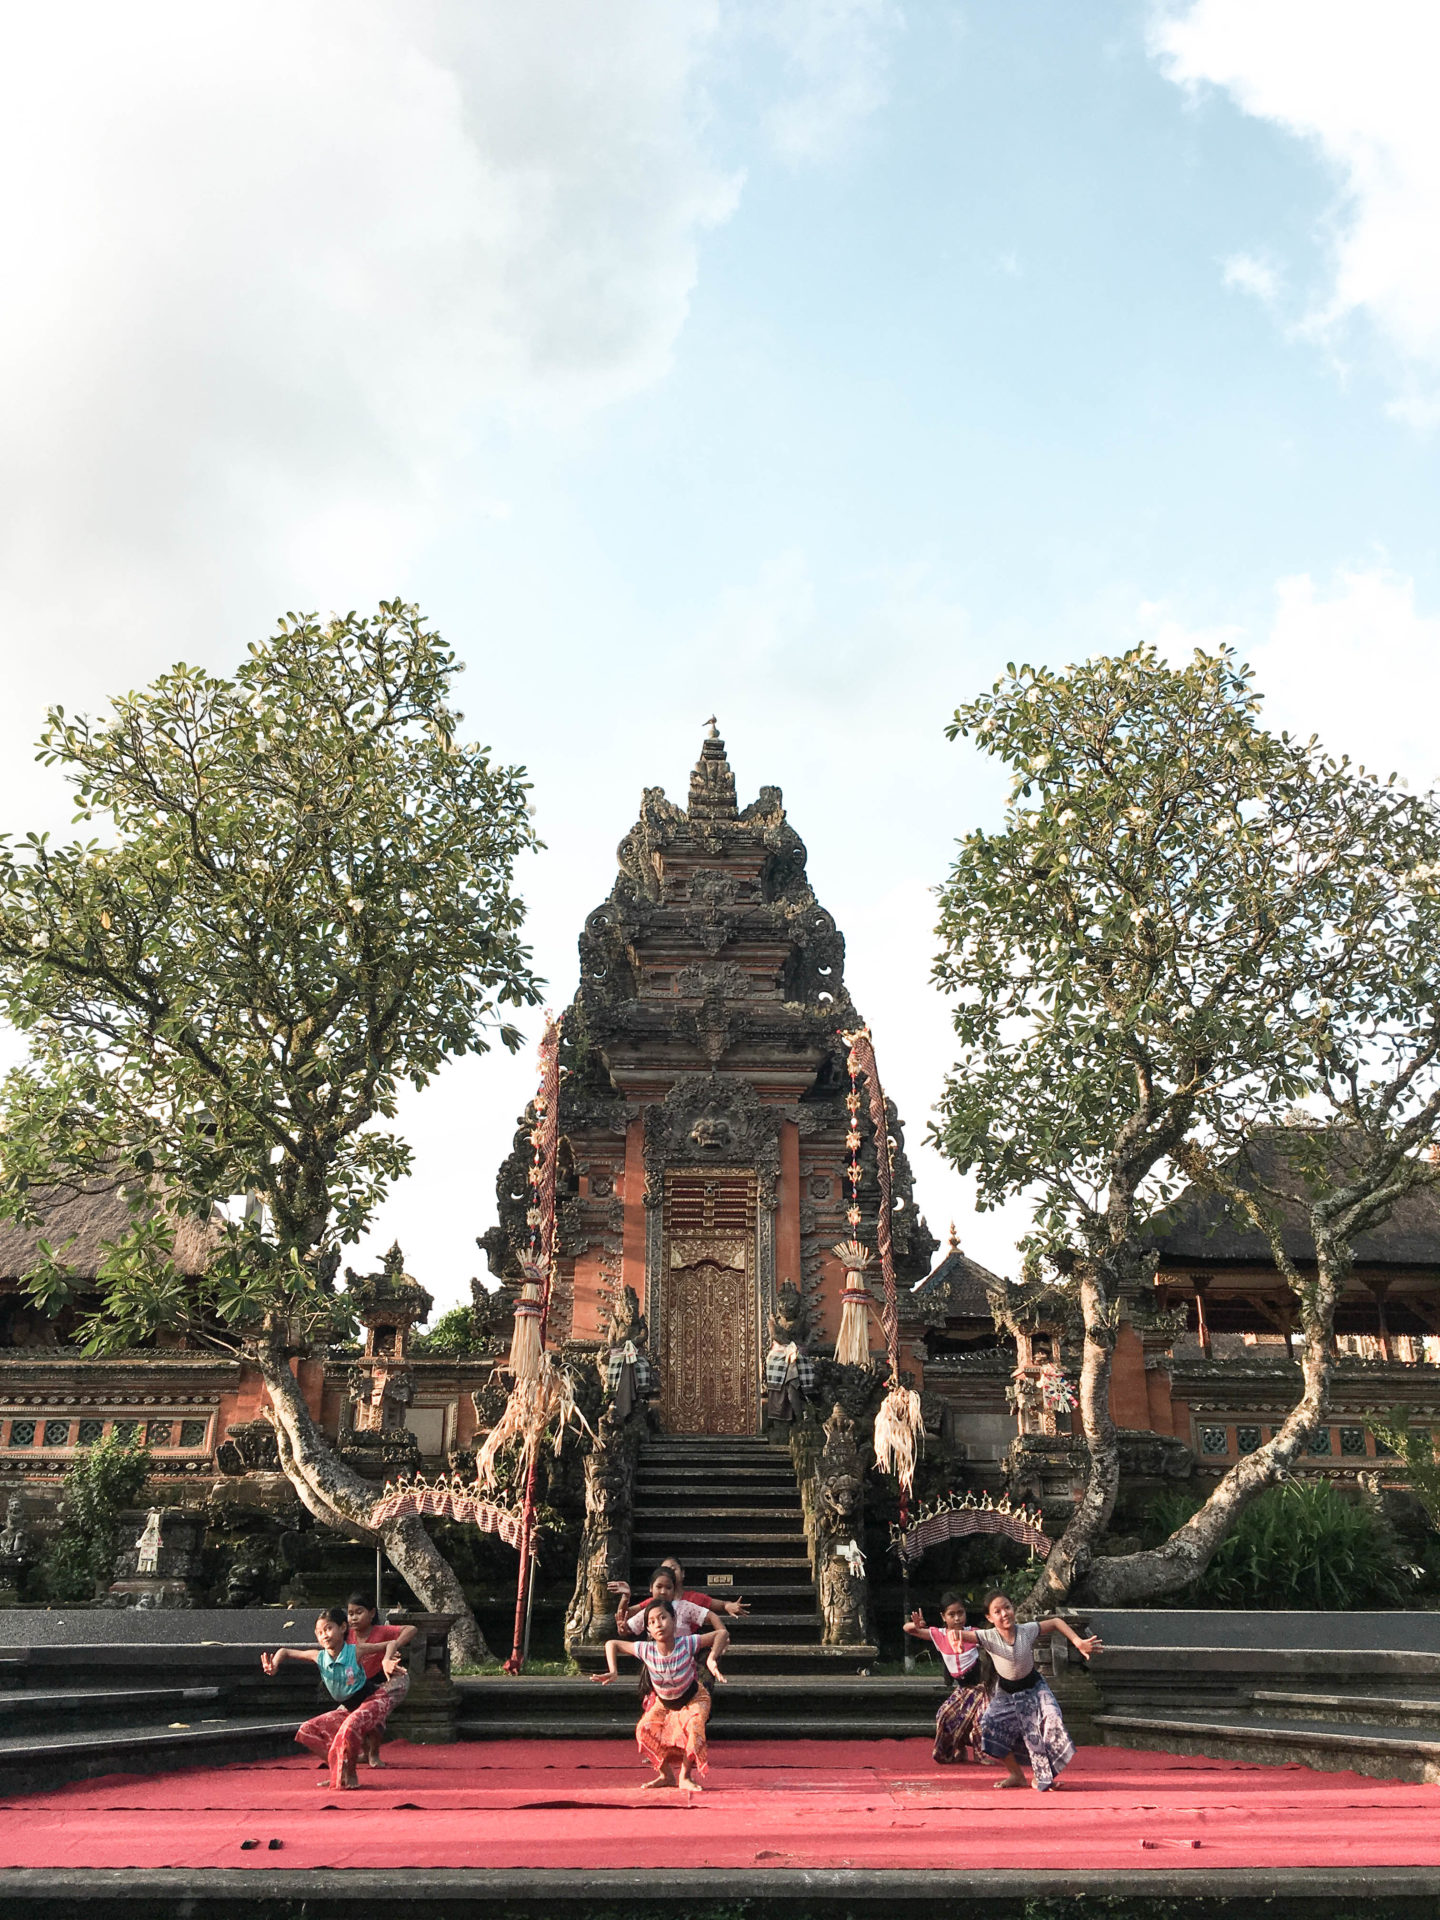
[671,1732]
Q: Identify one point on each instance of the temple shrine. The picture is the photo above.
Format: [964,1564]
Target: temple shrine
[702,1197]
[703,1113]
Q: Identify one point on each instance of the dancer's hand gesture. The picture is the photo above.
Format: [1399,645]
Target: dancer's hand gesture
[604,1679]
[917,1619]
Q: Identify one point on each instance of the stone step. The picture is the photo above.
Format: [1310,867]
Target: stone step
[780,1656]
[654,1513]
[751,1473]
[784,1541]
[38,1760]
[718,1729]
[1370,1709]
[1331,1747]
[97,1703]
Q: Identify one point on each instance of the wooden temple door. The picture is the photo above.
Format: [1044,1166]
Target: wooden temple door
[709,1378]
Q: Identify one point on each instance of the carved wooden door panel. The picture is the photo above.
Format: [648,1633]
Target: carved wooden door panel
[709,1381]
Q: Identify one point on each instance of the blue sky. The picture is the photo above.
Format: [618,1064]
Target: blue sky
[803,362]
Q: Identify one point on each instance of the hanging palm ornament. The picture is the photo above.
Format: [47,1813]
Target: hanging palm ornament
[852,1348]
[899,1430]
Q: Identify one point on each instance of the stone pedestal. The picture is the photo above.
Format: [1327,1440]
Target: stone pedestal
[158,1561]
[431,1709]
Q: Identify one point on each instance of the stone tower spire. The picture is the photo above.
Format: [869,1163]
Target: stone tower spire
[712,784]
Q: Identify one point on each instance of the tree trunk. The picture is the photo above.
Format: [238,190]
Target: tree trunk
[1185,1555]
[1071,1557]
[341,1499]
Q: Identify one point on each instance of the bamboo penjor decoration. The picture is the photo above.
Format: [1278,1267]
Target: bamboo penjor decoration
[899,1430]
[540,1391]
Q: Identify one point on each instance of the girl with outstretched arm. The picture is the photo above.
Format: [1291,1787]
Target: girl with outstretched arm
[671,1730]
[1023,1715]
[340,1734]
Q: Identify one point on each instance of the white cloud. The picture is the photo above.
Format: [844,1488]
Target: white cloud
[1358,664]
[1357,83]
[836,59]
[1254,275]
[269,265]
[1355,662]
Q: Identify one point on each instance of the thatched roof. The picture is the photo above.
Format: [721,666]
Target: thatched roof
[959,1286]
[1203,1226]
[77,1224]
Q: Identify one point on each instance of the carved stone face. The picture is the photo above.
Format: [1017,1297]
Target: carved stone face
[711,1133]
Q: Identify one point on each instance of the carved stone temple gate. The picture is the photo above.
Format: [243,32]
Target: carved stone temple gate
[708,1311]
[702,1110]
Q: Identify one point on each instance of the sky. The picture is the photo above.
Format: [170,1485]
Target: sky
[800,361]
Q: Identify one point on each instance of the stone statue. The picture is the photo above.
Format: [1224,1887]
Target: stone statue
[789,1369]
[840,1575]
[626,1366]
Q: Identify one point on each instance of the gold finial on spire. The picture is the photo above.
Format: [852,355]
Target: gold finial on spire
[954,1239]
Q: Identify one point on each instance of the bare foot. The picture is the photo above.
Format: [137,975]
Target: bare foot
[662,1779]
[348,1779]
[374,1760]
[687,1785]
[1008,1781]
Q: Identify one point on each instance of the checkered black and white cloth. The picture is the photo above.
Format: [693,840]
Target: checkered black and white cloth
[777,1366]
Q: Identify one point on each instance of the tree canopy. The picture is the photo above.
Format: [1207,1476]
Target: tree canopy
[1160,948]
[300,901]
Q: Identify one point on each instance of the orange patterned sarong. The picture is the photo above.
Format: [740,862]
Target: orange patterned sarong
[675,1733]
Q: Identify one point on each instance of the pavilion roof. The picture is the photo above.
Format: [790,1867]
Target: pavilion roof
[1203,1226]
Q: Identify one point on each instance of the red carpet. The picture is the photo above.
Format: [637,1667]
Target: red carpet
[812,1804]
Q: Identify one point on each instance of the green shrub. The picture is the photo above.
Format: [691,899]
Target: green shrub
[100,1484]
[1299,1545]
[457,1332]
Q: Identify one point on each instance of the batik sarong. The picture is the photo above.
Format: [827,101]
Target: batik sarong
[340,1735]
[957,1723]
[673,1733]
[1028,1722]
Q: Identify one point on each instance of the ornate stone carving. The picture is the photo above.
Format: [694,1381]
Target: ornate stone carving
[832,1490]
[609,1520]
[712,1120]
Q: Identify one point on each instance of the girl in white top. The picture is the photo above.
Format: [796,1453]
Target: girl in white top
[1024,1715]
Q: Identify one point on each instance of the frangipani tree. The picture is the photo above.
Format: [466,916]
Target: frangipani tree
[1137,959]
[302,901]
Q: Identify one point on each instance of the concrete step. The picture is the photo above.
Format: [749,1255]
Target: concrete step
[718,1729]
[94,1705]
[654,1514]
[1370,1709]
[1332,1747]
[788,1657]
[788,1542]
[36,1760]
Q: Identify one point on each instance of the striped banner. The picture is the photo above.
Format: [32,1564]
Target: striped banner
[957,1521]
[448,1503]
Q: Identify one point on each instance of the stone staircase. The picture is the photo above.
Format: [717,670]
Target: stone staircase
[1390,1736]
[730,1510]
[1358,1692]
[72,1713]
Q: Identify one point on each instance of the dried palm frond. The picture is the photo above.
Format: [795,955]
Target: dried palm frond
[899,1435]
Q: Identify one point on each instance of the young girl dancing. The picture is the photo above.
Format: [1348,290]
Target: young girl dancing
[361,1703]
[1023,1713]
[734,1607]
[693,1613]
[370,1640]
[671,1732]
[957,1719]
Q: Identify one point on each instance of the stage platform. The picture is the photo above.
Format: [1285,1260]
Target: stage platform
[768,1809]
